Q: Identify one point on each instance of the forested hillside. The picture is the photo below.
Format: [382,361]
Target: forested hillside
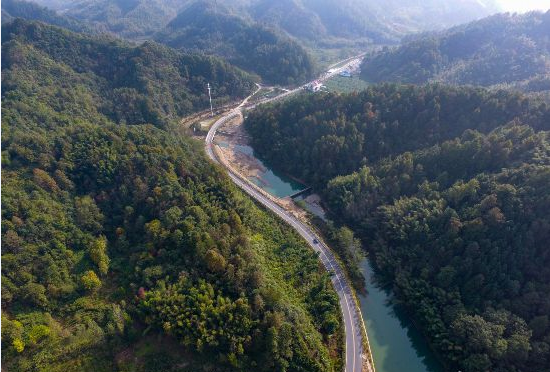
[334,135]
[448,189]
[504,49]
[146,84]
[212,29]
[202,27]
[123,247]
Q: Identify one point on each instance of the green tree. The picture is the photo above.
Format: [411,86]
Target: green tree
[98,254]
[90,281]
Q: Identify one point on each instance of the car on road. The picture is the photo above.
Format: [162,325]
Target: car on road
[315,241]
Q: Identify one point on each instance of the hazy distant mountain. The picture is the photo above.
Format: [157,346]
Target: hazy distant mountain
[380,21]
[322,21]
[415,15]
[57,4]
[128,18]
[502,49]
[264,36]
[23,9]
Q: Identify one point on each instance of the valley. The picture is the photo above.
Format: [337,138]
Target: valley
[396,343]
[286,186]
[356,358]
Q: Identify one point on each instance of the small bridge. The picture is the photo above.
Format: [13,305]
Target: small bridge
[300,193]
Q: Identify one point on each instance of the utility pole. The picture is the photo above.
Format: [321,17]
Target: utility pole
[210,96]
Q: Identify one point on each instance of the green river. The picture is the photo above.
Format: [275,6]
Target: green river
[397,346]
[395,343]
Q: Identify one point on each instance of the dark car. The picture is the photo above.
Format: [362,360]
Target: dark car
[315,241]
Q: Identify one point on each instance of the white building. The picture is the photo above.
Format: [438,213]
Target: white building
[314,86]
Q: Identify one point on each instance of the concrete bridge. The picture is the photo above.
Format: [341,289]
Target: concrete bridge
[300,193]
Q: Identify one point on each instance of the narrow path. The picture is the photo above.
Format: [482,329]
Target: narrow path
[353,321]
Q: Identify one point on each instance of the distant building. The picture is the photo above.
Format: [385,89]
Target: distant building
[314,86]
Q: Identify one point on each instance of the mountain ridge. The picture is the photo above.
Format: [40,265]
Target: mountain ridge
[501,50]
[308,20]
[213,29]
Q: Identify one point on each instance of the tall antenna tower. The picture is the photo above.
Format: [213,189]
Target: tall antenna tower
[210,96]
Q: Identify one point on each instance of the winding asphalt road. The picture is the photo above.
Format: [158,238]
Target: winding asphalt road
[350,311]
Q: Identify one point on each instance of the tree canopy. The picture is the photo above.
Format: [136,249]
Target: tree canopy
[123,247]
[503,50]
[448,189]
[213,29]
[149,83]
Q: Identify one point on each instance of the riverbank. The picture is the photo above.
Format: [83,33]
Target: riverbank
[234,151]
[230,140]
[395,344]
[358,355]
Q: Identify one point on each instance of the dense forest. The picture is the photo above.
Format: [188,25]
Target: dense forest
[448,189]
[510,50]
[212,29]
[149,83]
[123,247]
[202,27]
[333,135]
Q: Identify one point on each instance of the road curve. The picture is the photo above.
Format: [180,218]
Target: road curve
[350,311]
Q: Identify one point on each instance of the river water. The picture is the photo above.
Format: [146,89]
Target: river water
[395,343]
[397,346]
[269,180]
